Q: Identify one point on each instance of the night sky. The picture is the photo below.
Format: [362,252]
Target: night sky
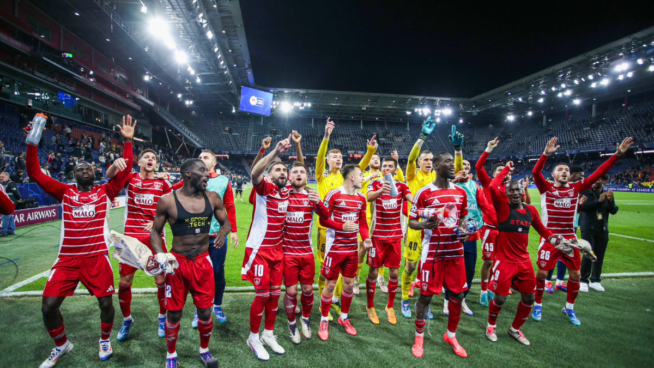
[433,48]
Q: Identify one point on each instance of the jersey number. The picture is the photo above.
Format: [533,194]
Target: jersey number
[258,270]
[372,252]
[169,291]
[545,255]
[488,247]
[425,276]
[328,261]
[413,246]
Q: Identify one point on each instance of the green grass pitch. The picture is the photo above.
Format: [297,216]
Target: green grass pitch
[617,326]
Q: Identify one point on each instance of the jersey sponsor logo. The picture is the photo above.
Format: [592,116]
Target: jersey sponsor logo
[562,203]
[144,199]
[295,217]
[390,204]
[282,207]
[84,211]
[351,216]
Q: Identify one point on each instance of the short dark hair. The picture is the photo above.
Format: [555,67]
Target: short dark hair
[376,154]
[211,153]
[298,164]
[559,164]
[156,157]
[347,169]
[270,167]
[440,157]
[494,167]
[425,152]
[390,158]
[576,169]
[188,164]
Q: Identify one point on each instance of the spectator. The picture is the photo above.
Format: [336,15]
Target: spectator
[59,142]
[102,146]
[68,170]
[67,131]
[98,173]
[57,162]
[46,170]
[19,164]
[77,151]
[18,177]
[596,205]
[2,155]
[8,224]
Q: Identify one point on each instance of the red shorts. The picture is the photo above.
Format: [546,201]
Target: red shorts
[488,236]
[94,273]
[548,255]
[263,267]
[505,275]
[125,269]
[194,274]
[449,273]
[343,263]
[300,268]
[385,253]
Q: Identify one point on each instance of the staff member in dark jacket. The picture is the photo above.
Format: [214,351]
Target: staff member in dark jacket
[595,206]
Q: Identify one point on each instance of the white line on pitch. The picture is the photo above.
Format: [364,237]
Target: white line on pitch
[25,282]
[631,237]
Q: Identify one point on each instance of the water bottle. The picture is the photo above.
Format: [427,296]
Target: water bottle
[389,178]
[36,129]
[449,215]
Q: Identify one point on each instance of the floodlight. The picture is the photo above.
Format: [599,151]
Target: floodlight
[605,82]
[630,74]
[576,101]
[640,61]
[180,56]
[447,111]
[510,118]
[593,85]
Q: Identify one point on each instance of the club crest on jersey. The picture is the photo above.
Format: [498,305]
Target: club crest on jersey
[257,281]
[84,211]
[562,203]
[390,204]
[351,216]
[326,173]
[424,286]
[282,207]
[144,199]
[158,185]
[93,196]
[359,204]
[295,217]
[305,202]
[543,263]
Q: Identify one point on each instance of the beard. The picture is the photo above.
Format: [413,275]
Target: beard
[198,186]
[375,167]
[85,182]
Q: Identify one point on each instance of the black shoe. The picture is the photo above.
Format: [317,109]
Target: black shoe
[3,235]
[12,234]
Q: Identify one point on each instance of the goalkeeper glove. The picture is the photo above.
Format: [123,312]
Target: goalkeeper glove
[427,127]
[456,138]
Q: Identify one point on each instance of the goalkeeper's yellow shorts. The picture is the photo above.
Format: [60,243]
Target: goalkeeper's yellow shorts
[321,245]
[413,246]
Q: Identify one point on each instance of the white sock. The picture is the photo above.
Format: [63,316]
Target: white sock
[420,334]
[324,319]
[292,323]
[335,300]
[570,306]
[202,351]
[65,345]
[254,336]
[450,334]
[559,282]
[489,325]
[343,316]
[128,318]
[162,315]
[267,332]
[483,292]
[513,329]
[538,304]
[171,355]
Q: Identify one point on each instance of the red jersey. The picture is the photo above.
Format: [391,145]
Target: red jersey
[442,243]
[296,240]
[85,215]
[559,204]
[7,206]
[341,208]
[142,198]
[268,217]
[487,212]
[387,210]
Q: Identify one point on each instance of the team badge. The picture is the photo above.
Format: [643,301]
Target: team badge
[257,281]
[359,204]
[158,185]
[495,285]
[488,254]
[424,286]
[543,263]
[327,270]
[326,173]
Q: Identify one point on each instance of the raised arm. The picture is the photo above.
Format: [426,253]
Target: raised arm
[265,144]
[127,131]
[525,187]
[606,166]
[298,147]
[456,138]
[539,179]
[372,147]
[399,175]
[322,151]
[7,206]
[482,175]
[258,170]
[48,184]
[427,128]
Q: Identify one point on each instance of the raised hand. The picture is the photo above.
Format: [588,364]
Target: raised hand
[582,200]
[551,146]
[373,142]
[427,127]
[127,129]
[456,138]
[395,155]
[284,145]
[492,144]
[510,165]
[329,127]
[265,143]
[120,164]
[296,137]
[624,146]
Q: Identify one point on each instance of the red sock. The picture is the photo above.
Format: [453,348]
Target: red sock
[256,310]
[370,292]
[205,328]
[420,326]
[161,297]
[573,291]
[325,304]
[59,335]
[271,309]
[171,336]
[105,330]
[346,301]
[455,314]
[540,289]
[521,316]
[392,291]
[493,312]
[290,302]
[125,300]
[484,285]
[307,304]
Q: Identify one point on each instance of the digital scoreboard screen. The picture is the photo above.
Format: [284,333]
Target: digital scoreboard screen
[255,101]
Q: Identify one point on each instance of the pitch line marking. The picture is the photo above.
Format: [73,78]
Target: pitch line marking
[631,237]
[24,282]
